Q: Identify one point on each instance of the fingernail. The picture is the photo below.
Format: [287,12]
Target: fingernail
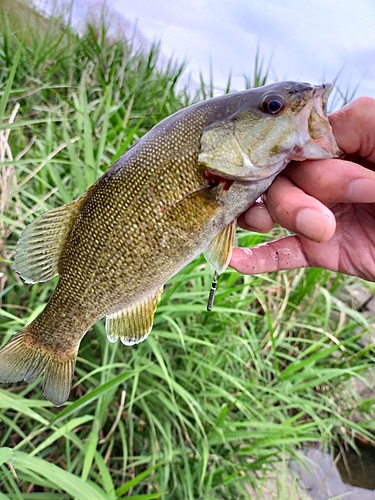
[361,191]
[315,225]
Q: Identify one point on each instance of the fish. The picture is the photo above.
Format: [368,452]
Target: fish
[175,194]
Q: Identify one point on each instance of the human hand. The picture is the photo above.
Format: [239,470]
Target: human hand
[328,204]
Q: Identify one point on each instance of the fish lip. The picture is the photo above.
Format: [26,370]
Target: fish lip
[316,131]
[321,94]
[324,91]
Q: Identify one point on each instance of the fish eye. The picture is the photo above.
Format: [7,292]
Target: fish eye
[273,104]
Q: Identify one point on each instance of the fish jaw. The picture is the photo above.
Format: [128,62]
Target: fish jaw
[315,129]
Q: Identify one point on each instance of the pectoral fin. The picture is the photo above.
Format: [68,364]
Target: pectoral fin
[133,324]
[219,252]
[40,245]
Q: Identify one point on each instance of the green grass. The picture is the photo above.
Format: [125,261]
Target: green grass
[207,406]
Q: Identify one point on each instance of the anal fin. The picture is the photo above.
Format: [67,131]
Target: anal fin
[133,324]
[219,252]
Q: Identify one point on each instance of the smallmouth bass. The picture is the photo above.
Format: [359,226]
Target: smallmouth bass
[173,195]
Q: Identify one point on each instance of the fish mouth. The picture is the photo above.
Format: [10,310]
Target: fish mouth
[312,120]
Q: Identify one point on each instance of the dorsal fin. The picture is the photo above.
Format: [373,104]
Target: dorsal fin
[133,324]
[40,244]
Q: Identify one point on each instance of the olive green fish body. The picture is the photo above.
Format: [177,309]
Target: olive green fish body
[173,195]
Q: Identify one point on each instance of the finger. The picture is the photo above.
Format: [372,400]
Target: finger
[298,212]
[257,218]
[353,127]
[333,181]
[284,253]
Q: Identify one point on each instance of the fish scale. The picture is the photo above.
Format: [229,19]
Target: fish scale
[173,195]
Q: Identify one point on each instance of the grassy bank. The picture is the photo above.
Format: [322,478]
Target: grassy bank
[211,401]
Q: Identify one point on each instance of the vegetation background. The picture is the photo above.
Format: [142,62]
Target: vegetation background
[208,406]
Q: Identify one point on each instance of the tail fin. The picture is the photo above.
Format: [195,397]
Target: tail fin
[23,359]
